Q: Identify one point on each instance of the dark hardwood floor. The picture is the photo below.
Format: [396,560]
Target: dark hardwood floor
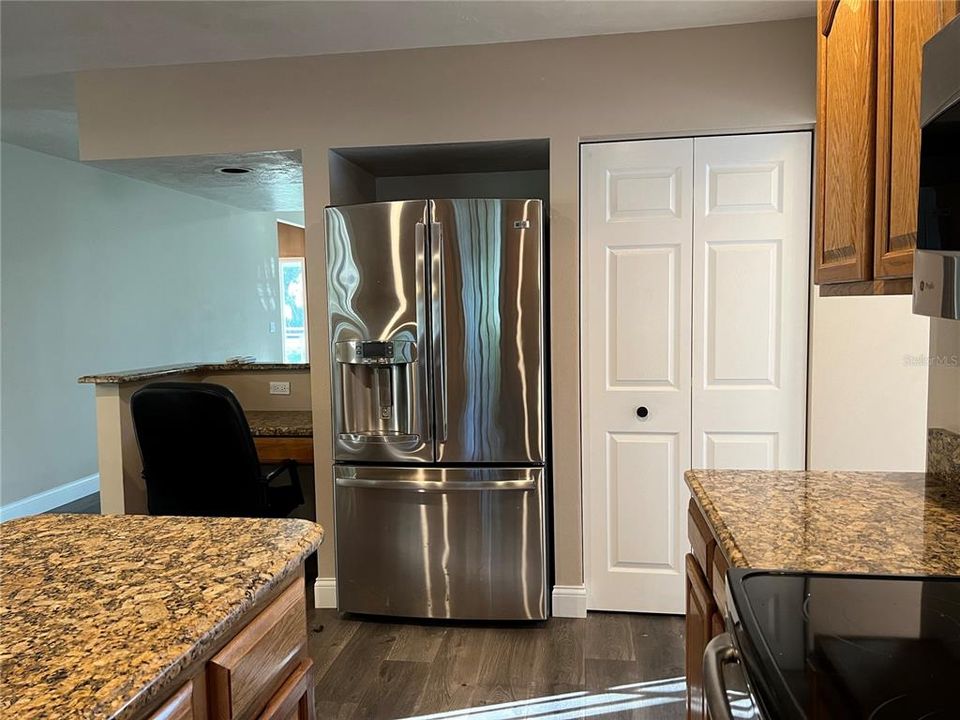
[610,666]
[88,505]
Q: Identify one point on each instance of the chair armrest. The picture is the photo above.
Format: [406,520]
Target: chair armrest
[289,466]
[294,491]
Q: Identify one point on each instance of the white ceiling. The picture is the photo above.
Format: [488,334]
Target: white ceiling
[43,43]
[275,180]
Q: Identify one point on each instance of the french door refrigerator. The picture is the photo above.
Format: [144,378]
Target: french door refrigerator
[437,361]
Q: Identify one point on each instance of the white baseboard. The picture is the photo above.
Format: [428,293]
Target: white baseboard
[49,499]
[569,601]
[325,593]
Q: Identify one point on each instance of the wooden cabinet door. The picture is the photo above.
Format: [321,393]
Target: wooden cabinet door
[246,673]
[904,26]
[294,699]
[178,707]
[846,139]
[701,610]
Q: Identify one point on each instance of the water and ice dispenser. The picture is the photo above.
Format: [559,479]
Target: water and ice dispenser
[378,392]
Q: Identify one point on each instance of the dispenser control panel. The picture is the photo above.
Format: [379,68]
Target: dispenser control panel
[375,352]
[379,351]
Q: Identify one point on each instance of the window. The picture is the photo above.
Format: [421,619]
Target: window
[294,318]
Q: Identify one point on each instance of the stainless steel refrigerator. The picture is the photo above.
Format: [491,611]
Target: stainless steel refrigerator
[437,368]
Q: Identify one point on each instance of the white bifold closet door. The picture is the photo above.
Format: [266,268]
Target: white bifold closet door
[751,260]
[695,257]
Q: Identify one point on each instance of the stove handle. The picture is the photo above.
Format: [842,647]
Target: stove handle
[720,651]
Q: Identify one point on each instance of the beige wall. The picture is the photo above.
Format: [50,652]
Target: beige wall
[868,384]
[733,78]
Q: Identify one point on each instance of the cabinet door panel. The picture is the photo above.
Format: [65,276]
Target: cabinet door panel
[701,610]
[178,707]
[718,581]
[250,668]
[294,699]
[904,26]
[846,140]
[702,544]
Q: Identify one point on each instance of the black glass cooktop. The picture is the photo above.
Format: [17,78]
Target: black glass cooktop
[848,646]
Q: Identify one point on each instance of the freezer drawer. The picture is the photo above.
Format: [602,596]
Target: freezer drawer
[464,543]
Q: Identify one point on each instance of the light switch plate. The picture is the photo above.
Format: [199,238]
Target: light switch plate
[280,388]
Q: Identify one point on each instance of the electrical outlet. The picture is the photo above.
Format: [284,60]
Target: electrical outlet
[280,388]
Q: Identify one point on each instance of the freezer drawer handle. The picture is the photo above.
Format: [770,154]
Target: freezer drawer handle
[720,651]
[397,439]
[438,485]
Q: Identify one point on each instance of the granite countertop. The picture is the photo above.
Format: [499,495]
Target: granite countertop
[101,613]
[280,423]
[153,373]
[857,522]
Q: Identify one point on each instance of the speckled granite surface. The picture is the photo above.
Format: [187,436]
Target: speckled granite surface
[154,373]
[280,423]
[943,451]
[100,613]
[859,522]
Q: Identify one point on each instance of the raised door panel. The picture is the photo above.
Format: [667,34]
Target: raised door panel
[701,610]
[904,26]
[738,450]
[643,337]
[636,235]
[846,140]
[702,544]
[718,582]
[178,707]
[294,700]
[742,324]
[649,545]
[717,625]
[243,676]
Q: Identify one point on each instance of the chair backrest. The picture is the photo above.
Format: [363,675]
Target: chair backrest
[197,451]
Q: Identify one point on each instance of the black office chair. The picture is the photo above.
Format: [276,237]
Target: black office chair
[199,457]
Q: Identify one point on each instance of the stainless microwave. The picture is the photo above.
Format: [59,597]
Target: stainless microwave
[936,267]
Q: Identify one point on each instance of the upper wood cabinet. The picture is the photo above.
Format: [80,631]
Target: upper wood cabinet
[846,132]
[868,139]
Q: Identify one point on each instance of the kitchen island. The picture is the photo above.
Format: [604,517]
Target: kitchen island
[148,617]
[846,522]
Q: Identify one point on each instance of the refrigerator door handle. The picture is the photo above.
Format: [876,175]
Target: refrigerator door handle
[437,485]
[424,399]
[439,331]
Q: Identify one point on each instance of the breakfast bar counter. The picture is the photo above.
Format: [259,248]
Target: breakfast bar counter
[112,616]
[280,418]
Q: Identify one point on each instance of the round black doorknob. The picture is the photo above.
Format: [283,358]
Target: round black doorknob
[642,412]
